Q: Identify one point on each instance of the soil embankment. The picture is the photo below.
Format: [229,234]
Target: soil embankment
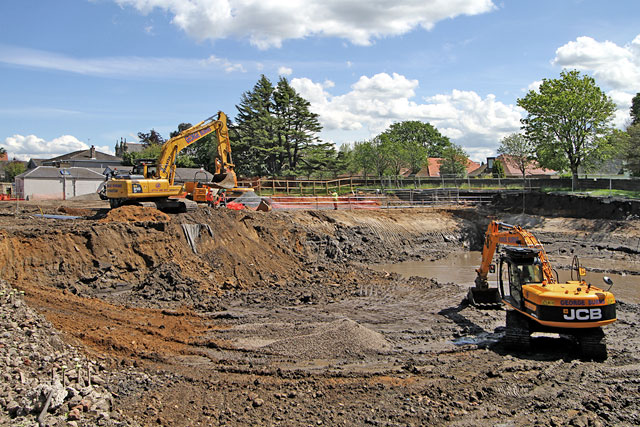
[274,319]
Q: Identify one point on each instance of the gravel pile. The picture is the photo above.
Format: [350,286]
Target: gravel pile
[340,338]
[45,381]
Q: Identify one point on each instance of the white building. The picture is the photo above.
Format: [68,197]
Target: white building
[48,182]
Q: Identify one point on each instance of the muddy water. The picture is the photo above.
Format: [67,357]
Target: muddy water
[459,268]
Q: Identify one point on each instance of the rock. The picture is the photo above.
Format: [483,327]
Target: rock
[74,414]
[96,379]
[257,402]
[13,407]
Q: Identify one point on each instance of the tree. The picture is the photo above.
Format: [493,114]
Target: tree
[13,169]
[150,152]
[380,155]
[635,109]
[275,130]
[498,169]
[454,161]
[632,140]
[363,157]
[150,138]
[296,126]
[568,120]
[416,141]
[518,151]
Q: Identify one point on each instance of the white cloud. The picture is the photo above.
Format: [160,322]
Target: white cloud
[285,71]
[267,23]
[615,67]
[376,102]
[534,86]
[118,66]
[30,146]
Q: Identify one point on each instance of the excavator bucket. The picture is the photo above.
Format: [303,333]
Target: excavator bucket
[224,180]
[484,297]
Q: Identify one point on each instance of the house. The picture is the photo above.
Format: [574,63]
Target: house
[90,158]
[49,182]
[511,169]
[432,169]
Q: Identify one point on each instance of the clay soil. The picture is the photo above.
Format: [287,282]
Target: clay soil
[276,319]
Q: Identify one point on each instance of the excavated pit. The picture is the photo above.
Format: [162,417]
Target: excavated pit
[282,319]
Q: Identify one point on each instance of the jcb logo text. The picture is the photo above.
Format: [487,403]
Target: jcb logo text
[582,314]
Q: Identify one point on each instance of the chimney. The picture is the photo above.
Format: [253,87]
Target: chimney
[92,152]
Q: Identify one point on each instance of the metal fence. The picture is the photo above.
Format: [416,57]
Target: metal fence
[304,187]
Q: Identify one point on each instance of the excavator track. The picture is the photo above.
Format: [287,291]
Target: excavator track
[592,344]
[518,332]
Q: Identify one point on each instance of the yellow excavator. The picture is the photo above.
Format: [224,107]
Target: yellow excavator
[152,182]
[533,296]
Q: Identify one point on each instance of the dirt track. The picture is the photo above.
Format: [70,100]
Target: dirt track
[278,321]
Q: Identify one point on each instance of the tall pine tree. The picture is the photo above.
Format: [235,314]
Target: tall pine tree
[275,130]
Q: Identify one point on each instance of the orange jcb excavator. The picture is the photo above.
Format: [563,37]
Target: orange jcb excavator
[535,301]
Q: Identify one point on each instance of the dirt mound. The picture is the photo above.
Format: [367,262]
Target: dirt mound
[134,214]
[340,338]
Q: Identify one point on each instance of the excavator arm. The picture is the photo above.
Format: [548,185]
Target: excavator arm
[166,165]
[500,233]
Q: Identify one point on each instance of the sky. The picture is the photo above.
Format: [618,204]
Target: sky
[76,73]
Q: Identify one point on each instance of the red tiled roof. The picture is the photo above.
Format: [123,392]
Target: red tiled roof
[511,170]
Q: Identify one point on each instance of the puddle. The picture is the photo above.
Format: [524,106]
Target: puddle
[483,339]
[459,268]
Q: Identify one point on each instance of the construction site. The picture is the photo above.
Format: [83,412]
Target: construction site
[294,317]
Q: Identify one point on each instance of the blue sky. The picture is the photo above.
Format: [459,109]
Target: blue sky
[75,73]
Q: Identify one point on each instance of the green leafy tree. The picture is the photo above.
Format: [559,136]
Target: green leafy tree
[631,140]
[519,152]
[363,157]
[13,169]
[150,138]
[635,109]
[498,169]
[454,161]
[381,154]
[150,152]
[568,120]
[347,160]
[319,161]
[416,141]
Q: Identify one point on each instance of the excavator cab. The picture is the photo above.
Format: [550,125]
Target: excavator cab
[519,266]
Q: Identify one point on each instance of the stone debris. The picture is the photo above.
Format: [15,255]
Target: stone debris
[36,363]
